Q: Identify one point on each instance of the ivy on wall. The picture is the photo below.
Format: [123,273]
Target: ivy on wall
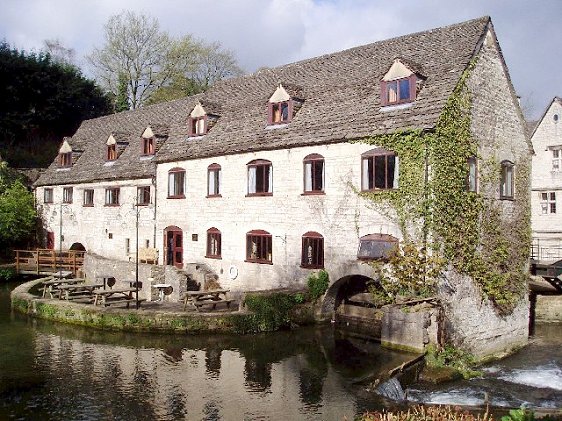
[478,235]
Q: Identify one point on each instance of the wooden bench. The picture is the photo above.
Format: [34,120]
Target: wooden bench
[214,303]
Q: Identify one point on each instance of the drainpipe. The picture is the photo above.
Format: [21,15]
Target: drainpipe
[154,183]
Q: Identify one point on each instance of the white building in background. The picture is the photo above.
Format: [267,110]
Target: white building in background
[546,184]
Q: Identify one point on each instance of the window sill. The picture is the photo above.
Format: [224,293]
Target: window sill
[143,204]
[396,106]
[196,136]
[211,196]
[67,203]
[48,203]
[261,262]
[379,190]
[311,267]
[214,257]
[88,206]
[111,205]
[508,198]
[273,126]
[176,197]
[313,193]
[258,194]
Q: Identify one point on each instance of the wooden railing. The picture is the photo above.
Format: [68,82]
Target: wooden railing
[43,261]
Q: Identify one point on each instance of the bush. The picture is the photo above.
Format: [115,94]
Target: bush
[433,413]
[7,274]
[271,312]
[318,284]
[452,357]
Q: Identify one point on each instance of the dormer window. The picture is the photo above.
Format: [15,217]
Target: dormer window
[197,121]
[65,155]
[148,144]
[398,85]
[111,152]
[280,107]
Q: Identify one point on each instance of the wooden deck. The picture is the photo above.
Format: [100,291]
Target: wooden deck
[47,262]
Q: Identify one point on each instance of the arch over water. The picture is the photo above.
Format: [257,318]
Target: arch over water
[77,247]
[344,287]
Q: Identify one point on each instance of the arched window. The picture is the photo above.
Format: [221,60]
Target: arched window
[313,174]
[506,183]
[379,170]
[176,183]
[214,180]
[213,243]
[312,255]
[259,247]
[260,178]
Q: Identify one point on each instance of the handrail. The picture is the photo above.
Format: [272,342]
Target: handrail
[47,260]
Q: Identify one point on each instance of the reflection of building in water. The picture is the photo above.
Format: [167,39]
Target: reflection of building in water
[170,383]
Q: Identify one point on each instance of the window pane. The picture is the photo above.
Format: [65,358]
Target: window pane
[404,89]
[252,175]
[284,111]
[318,175]
[544,196]
[553,207]
[390,162]
[380,171]
[555,153]
[552,196]
[366,173]
[392,94]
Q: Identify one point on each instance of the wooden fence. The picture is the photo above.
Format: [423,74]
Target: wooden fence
[46,261]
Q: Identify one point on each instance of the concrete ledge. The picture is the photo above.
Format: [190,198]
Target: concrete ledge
[132,320]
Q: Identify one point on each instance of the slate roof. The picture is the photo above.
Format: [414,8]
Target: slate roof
[341,94]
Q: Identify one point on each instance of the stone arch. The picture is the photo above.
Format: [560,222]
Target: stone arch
[77,247]
[341,289]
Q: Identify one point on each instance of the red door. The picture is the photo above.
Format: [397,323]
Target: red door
[50,240]
[173,246]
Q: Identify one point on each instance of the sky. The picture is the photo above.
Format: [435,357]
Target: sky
[268,33]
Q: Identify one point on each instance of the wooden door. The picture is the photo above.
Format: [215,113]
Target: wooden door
[50,240]
[173,245]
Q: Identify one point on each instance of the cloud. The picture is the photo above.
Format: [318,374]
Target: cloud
[273,32]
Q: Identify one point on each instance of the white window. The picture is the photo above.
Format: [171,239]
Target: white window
[260,178]
[548,202]
[556,160]
[213,180]
[176,183]
[67,195]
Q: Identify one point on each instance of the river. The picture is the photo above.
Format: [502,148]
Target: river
[60,372]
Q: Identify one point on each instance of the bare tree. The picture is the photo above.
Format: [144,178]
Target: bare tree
[155,66]
[58,52]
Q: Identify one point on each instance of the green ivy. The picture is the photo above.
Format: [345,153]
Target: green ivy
[318,284]
[436,212]
[271,312]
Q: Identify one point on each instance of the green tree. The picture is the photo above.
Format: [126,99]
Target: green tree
[41,101]
[122,98]
[17,215]
[157,67]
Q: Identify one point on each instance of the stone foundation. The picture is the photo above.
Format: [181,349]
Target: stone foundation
[548,309]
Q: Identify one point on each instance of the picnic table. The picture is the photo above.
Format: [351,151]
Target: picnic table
[107,297]
[161,290]
[203,298]
[52,286]
[78,291]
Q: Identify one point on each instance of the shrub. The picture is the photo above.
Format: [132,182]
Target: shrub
[318,284]
[7,274]
[421,413]
[452,357]
[271,312]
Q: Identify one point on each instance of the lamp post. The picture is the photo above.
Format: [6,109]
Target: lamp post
[137,252]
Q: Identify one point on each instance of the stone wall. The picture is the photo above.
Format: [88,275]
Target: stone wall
[472,322]
[548,309]
[410,330]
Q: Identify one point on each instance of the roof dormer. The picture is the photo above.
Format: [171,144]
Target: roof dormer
[399,84]
[280,107]
[197,121]
[65,155]
[148,143]
[116,144]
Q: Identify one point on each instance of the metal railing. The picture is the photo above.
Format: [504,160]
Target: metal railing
[540,252]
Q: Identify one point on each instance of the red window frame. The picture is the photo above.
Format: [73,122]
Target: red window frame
[111,152]
[312,253]
[88,199]
[263,251]
[147,145]
[176,194]
[263,176]
[48,195]
[386,84]
[67,193]
[317,178]
[143,195]
[213,237]
[192,126]
[112,196]
[371,157]
[214,173]
[272,107]
[65,159]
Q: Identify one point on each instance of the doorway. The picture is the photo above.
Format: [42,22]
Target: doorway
[173,246]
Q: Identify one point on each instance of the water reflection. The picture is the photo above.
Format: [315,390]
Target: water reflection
[55,371]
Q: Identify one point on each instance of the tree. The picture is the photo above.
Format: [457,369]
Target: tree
[40,102]
[122,98]
[58,52]
[17,215]
[156,66]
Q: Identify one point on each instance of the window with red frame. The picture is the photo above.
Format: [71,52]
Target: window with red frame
[112,196]
[398,91]
[111,152]
[313,174]
[213,243]
[260,178]
[176,183]
[197,126]
[379,170]
[143,195]
[280,112]
[148,146]
[312,250]
[65,159]
[88,197]
[213,180]
[259,247]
